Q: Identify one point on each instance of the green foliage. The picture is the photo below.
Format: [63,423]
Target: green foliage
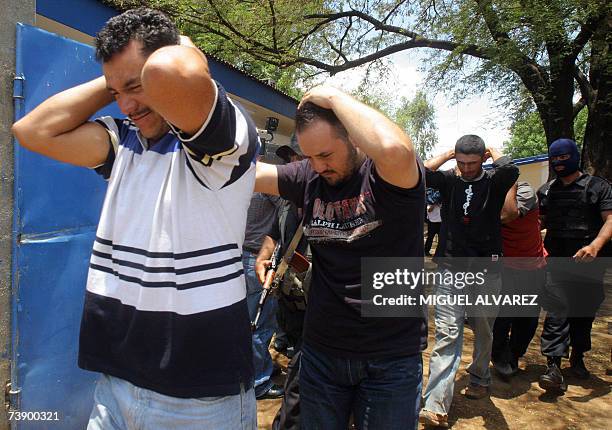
[374,90]
[527,136]
[418,118]
[205,23]
[542,54]
[580,126]
[474,46]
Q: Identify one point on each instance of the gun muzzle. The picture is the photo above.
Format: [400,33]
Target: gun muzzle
[260,305]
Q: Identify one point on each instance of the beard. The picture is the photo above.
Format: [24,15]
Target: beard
[352,164]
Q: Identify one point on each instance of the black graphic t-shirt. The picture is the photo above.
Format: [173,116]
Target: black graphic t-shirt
[471,225]
[363,217]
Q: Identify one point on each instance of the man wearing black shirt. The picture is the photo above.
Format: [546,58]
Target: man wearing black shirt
[362,191]
[471,227]
[576,210]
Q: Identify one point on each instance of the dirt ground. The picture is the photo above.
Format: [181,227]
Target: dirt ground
[521,404]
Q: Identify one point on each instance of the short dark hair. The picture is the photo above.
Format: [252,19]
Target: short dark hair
[309,112]
[470,144]
[150,27]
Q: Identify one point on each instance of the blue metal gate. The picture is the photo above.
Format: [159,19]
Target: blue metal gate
[57,207]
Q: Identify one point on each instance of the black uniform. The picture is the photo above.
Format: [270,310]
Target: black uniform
[574,291]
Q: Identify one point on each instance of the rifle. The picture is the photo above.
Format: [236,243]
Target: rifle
[277,270]
[270,283]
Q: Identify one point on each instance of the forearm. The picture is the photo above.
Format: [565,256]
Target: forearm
[266,250]
[373,134]
[510,210]
[177,85]
[495,154]
[62,113]
[604,235]
[437,161]
[369,130]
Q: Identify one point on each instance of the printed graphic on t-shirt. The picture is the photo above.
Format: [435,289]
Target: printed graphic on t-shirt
[468,198]
[343,220]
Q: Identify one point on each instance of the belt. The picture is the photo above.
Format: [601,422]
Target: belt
[251,250]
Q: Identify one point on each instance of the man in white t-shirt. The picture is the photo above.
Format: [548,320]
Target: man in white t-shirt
[434,220]
[165,316]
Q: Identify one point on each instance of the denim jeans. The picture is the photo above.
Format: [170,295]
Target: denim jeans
[382,394]
[119,405]
[446,353]
[262,360]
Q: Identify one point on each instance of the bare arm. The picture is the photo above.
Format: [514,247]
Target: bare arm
[589,252]
[510,210]
[177,84]
[58,128]
[263,258]
[493,153]
[266,179]
[435,162]
[372,132]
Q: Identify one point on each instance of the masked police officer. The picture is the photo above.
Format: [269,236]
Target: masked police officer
[576,210]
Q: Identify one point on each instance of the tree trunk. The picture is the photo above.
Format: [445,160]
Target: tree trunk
[597,153]
[555,107]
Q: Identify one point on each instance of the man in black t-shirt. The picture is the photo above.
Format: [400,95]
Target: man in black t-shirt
[362,191]
[471,229]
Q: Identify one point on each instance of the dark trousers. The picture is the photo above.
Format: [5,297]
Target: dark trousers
[381,394]
[288,416]
[560,333]
[515,327]
[574,293]
[433,228]
[512,336]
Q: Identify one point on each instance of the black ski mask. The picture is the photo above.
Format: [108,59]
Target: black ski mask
[564,147]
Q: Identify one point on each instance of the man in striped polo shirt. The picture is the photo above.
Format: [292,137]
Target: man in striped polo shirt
[165,317]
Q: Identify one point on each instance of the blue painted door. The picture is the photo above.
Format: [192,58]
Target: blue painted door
[57,207]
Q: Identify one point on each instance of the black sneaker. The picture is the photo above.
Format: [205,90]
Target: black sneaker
[280,345]
[553,380]
[290,352]
[578,368]
[274,392]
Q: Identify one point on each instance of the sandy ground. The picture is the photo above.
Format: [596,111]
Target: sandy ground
[521,404]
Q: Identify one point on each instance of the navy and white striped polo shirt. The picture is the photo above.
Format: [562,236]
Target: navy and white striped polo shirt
[165,306]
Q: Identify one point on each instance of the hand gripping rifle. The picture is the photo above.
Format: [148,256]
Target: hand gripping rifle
[277,270]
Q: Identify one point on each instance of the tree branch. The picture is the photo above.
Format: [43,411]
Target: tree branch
[240,35]
[393,10]
[272,11]
[524,66]
[586,32]
[392,49]
[335,49]
[378,25]
[343,38]
[586,90]
[580,104]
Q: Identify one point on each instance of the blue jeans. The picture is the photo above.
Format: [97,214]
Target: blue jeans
[262,360]
[382,394]
[119,405]
[446,353]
